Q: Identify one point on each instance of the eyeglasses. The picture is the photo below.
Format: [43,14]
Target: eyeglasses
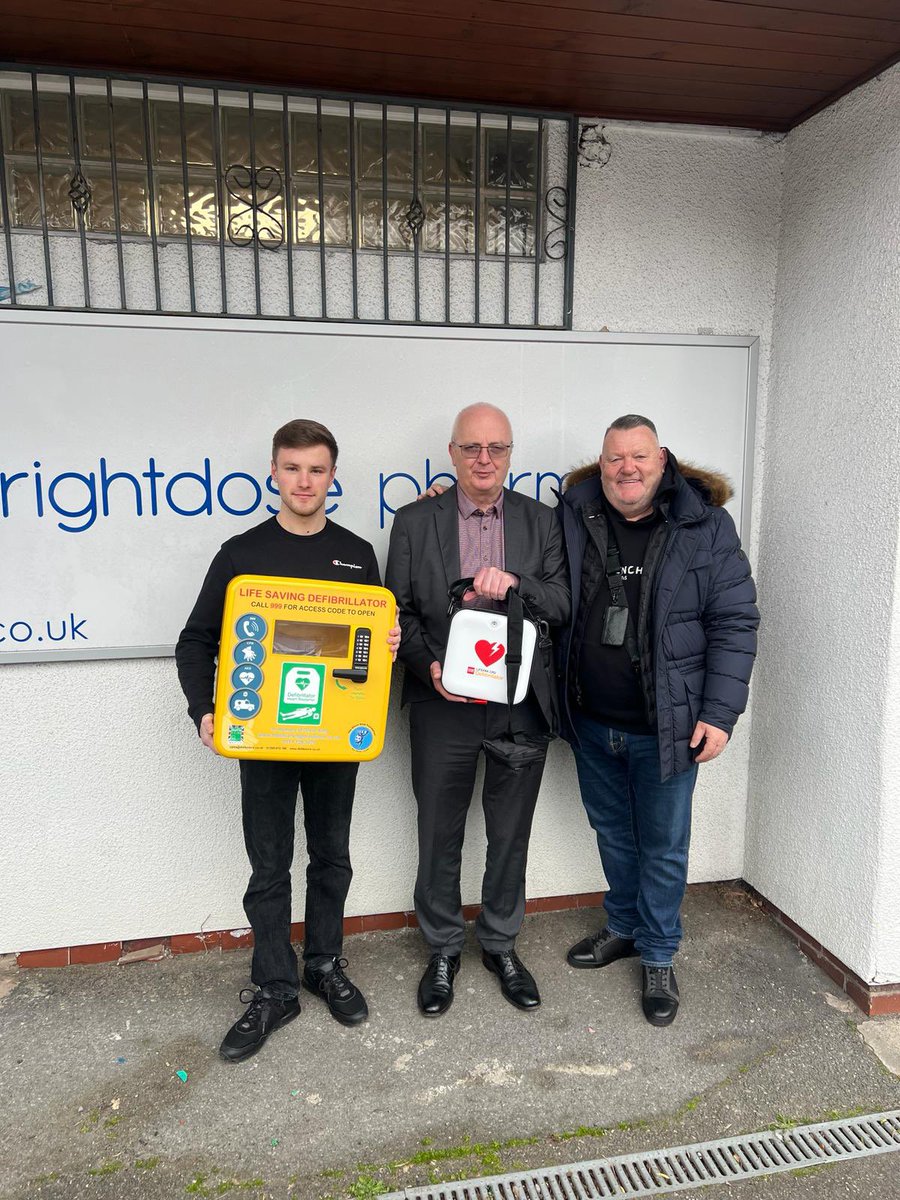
[497,450]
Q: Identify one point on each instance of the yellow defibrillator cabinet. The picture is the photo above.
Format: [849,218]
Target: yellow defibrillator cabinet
[304,670]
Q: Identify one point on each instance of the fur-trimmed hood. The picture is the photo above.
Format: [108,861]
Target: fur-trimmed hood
[712,486]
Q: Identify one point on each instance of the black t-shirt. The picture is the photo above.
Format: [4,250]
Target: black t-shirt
[608,685]
[334,554]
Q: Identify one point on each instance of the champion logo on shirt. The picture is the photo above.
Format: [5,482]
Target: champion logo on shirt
[336,562]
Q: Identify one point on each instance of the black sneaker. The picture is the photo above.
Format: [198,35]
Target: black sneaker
[345,1001]
[264,1015]
[659,995]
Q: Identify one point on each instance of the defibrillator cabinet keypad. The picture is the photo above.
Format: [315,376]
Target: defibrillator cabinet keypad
[358,672]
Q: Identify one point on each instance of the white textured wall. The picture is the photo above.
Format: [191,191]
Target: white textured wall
[824,822]
[117,823]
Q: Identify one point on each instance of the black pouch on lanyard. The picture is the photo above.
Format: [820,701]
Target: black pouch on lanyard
[615,625]
[618,627]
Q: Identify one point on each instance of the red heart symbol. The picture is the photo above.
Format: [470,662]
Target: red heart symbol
[489,652]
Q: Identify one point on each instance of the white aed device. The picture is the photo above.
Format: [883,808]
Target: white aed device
[475,663]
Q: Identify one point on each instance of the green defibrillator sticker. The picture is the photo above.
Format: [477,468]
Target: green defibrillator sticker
[300,696]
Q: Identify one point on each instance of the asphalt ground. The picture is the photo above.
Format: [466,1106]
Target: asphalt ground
[92,1103]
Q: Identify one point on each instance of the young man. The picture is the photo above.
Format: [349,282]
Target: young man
[301,542]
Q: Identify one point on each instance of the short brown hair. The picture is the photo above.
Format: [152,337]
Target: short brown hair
[296,435]
[632,421]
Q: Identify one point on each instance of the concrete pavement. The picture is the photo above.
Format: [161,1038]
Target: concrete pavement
[92,1105]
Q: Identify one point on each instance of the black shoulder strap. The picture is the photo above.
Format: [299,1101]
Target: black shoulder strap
[614,579]
[516,611]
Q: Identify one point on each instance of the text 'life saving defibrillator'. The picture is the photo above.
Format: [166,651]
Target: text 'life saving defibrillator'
[304,670]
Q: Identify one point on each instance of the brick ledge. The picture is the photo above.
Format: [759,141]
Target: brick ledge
[873,999]
[154,948]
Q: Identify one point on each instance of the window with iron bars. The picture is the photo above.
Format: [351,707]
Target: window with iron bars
[222,168]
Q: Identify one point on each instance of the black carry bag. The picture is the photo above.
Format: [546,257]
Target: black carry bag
[514,749]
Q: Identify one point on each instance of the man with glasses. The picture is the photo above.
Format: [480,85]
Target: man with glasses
[502,540]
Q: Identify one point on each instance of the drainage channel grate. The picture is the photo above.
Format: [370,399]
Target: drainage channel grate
[659,1172]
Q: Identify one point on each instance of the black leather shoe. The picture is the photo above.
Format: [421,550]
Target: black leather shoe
[345,1001]
[516,981]
[600,949]
[659,995]
[436,985]
[263,1016]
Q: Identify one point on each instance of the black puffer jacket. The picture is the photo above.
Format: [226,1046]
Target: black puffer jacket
[697,624]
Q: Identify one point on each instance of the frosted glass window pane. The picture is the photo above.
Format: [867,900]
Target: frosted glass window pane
[56,137]
[198,131]
[371,216]
[462,224]
[522,158]
[201,203]
[95,128]
[267,133]
[462,155]
[306,210]
[26,203]
[335,145]
[399,151]
[101,216]
[521,228]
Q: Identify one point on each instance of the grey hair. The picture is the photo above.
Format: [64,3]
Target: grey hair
[632,421]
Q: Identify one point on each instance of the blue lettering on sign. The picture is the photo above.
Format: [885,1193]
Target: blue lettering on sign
[79,498]
[44,629]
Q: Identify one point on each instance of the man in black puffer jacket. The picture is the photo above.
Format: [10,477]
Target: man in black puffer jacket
[655,668]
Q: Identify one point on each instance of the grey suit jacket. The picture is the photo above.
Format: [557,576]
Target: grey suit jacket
[423,561]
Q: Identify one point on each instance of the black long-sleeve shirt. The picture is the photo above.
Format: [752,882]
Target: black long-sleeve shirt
[334,554]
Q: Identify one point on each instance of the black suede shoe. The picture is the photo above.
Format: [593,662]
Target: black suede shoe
[345,1001]
[516,981]
[264,1015]
[659,994]
[600,949]
[436,985]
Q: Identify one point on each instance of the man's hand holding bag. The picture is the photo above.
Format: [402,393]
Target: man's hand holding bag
[489,658]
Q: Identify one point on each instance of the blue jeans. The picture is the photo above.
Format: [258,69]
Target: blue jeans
[643,832]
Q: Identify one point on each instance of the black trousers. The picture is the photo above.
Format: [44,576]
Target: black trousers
[445,739]
[268,803]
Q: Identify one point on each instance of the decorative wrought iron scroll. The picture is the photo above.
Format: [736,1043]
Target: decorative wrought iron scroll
[415,217]
[556,240]
[254,188]
[473,202]
[80,193]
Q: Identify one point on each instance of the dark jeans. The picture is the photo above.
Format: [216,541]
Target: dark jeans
[269,801]
[445,739]
[643,831]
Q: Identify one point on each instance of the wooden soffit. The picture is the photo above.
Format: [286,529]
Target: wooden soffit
[743,63]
